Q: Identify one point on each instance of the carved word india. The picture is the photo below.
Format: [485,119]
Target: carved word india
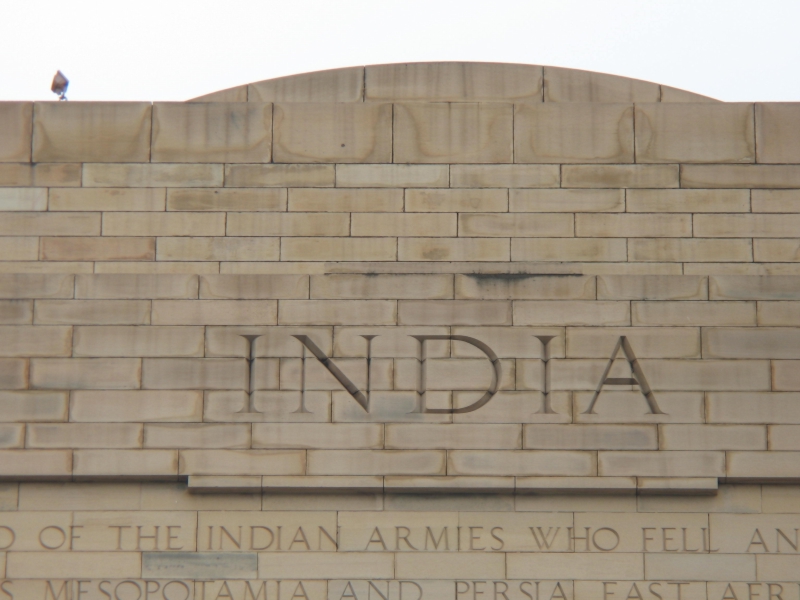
[637,377]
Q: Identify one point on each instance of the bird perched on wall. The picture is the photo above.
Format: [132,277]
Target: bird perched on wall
[60,85]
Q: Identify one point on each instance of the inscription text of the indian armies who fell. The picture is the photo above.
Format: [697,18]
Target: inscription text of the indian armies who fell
[623,345]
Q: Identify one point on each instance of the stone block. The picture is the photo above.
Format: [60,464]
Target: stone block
[688,201]
[712,437]
[376,462]
[98,248]
[552,201]
[338,249]
[466,200]
[765,250]
[498,176]
[164,224]
[288,224]
[392,176]
[28,199]
[779,313]
[453,312]
[700,567]
[215,312]
[91,132]
[448,374]
[132,286]
[453,565]
[571,312]
[226,199]
[780,467]
[454,82]
[451,436]
[622,176]
[729,498]
[783,437]
[402,225]
[631,225]
[340,436]
[243,462]
[630,407]
[20,248]
[16,312]
[758,225]
[35,496]
[575,565]
[553,486]
[671,94]
[775,201]
[573,133]
[651,287]
[750,408]
[334,85]
[211,132]
[590,437]
[647,533]
[523,287]
[274,341]
[453,133]
[84,435]
[740,176]
[661,464]
[65,565]
[92,312]
[218,248]
[152,175]
[253,287]
[647,342]
[507,342]
[687,133]
[35,464]
[233,94]
[390,342]
[183,435]
[732,287]
[675,314]
[16,127]
[763,342]
[774,568]
[50,223]
[134,406]
[777,130]
[125,464]
[31,406]
[138,341]
[25,341]
[515,225]
[326,565]
[188,565]
[346,200]
[573,85]
[337,312]
[690,250]
[453,249]
[709,375]
[86,373]
[568,249]
[242,176]
[326,132]
[521,463]
[12,436]
[275,406]
[194,373]
[675,486]
[382,286]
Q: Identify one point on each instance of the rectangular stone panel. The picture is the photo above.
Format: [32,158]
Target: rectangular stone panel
[758,225]
[661,464]
[523,287]
[539,200]
[16,312]
[513,176]
[14,199]
[643,226]
[138,341]
[713,437]
[733,287]
[688,201]
[106,199]
[573,85]
[740,176]
[454,312]
[571,312]
[708,567]
[337,312]
[242,462]
[777,129]
[67,565]
[449,564]
[401,225]
[515,225]
[452,249]
[522,462]
[131,464]
[135,406]
[577,566]
[451,436]
[152,175]
[763,466]
[50,223]
[15,131]
[744,407]
[335,249]
[253,287]
[227,199]
[215,312]
[674,314]
[345,200]
[768,250]
[384,286]
[651,287]
[164,224]
[277,175]
[392,176]
[199,565]
[326,565]
[647,342]
[623,176]
[24,340]
[97,248]
[376,462]
[590,437]
[217,248]
[84,435]
[569,249]
[762,342]
[194,373]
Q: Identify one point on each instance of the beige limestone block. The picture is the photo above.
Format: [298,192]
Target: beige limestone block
[571,312]
[709,375]
[326,132]
[98,248]
[138,341]
[20,248]
[562,502]
[454,82]
[132,286]
[243,462]
[274,341]
[12,436]
[712,437]
[784,437]
[690,250]
[217,248]
[575,565]
[211,132]
[253,287]
[614,225]
[688,201]
[568,249]
[274,406]
[157,224]
[671,94]
[466,200]
[523,286]
[388,407]
[651,287]
[775,201]
[41,340]
[521,462]
[32,266]
[233,94]
[544,201]
[392,176]
[758,225]
[91,131]
[779,313]
[573,85]
[390,342]
[17,312]
[30,199]
[699,567]
[662,463]
[36,464]
[453,312]
[337,312]
[84,435]
[403,225]
[289,224]
[693,313]
[215,312]
[194,373]
[590,437]
[376,462]
[31,406]
[454,249]
[227,199]
[449,564]
[573,133]
[740,176]
[35,285]
[762,342]
[776,250]
[16,120]
[65,565]
[733,287]
[729,499]
[43,496]
[318,435]
[152,175]
[13,373]
[339,249]
[448,485]
[382,286]
[777,129]
[326,565]
[509,342]
[686,133]
[44,174]
[448,374]
[779,498]
[647,342]
[498,176]
[453,133]
[647,533]
[162,267]
[516,225]
[333,85]
[621,176]
[136,406]
[763,466]
[184,435]
[122,464]
[750,408]
[50,223]
[774,568]
[346,200]
[450,436]
[175,495]
[754,534]
[291,175]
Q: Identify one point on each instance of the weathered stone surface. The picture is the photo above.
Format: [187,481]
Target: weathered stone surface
[15,131]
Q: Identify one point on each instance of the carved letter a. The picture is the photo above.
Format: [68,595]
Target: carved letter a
[637,378]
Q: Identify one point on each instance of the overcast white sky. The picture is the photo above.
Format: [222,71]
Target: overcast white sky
[178,49]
